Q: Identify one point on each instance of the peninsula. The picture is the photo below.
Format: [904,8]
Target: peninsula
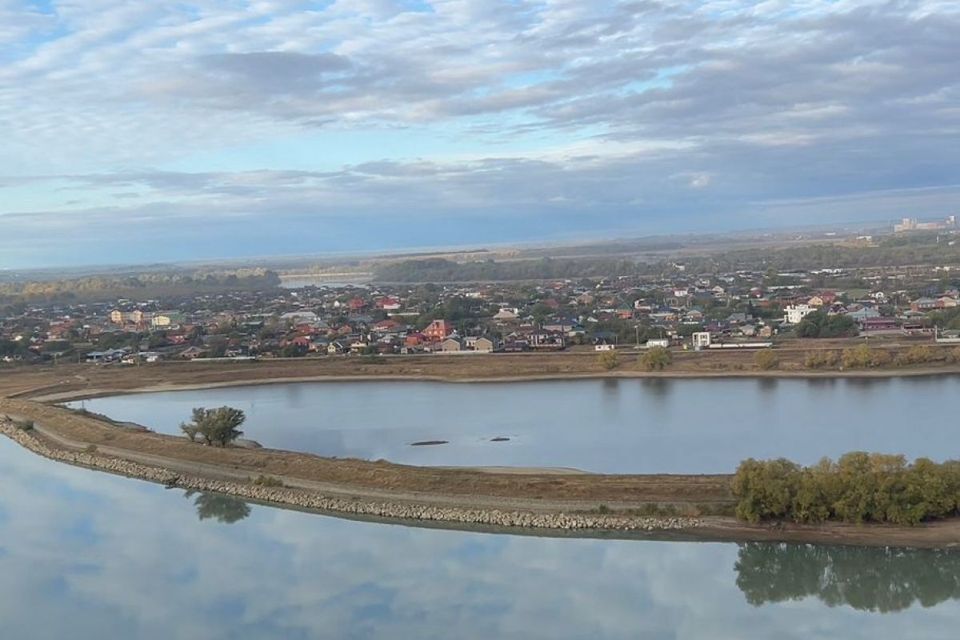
[688,507]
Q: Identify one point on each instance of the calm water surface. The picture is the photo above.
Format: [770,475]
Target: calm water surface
[642,426]
[85,555]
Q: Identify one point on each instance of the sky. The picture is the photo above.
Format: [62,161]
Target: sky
[135,132]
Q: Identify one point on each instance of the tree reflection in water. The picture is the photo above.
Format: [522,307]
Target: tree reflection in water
[867,579]
[223,508]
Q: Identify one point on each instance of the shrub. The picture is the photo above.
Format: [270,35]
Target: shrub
[24,425]
[267,481]
[863,357]
[656,359]
[821,359]
[609,360]
[856,357]
[766,360]
[880,358]
[916,355]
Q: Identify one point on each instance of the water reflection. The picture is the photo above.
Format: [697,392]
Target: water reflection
[85,555]
[611,387]
[867,384]
[658,388]
[768,384]
[224,509]
[866,579]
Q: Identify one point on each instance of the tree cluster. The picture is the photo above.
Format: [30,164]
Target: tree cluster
[921,249]
[12,348]
[820,324]
[859,487]
[141,285]
[443,270]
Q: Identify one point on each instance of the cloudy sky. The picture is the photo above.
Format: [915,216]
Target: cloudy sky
[141,131]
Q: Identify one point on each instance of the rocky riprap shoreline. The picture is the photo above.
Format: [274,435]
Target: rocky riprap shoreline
[362,507]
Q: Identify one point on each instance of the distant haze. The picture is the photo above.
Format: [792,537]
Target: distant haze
[153,131]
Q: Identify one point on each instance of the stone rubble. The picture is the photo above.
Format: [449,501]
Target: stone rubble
[314,501]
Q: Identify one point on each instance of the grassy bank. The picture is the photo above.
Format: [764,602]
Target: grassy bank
[791,360]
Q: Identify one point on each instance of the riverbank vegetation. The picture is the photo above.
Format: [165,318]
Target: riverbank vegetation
[656,359]
[864,357]
[609,360]
[766,360]
[859,487]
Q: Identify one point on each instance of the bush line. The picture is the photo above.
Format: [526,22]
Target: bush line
[859,487]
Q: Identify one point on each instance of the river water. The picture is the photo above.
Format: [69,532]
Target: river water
[613,426]
[86,555]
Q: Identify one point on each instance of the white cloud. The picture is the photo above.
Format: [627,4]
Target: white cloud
[767,99]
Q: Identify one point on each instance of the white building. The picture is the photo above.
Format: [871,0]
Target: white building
[701,340]
[796,313]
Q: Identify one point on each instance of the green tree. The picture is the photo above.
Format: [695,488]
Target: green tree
[766,489]
[817,491]
[217,427]
[819,324]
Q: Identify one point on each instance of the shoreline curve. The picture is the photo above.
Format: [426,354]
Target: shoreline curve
[522,513]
